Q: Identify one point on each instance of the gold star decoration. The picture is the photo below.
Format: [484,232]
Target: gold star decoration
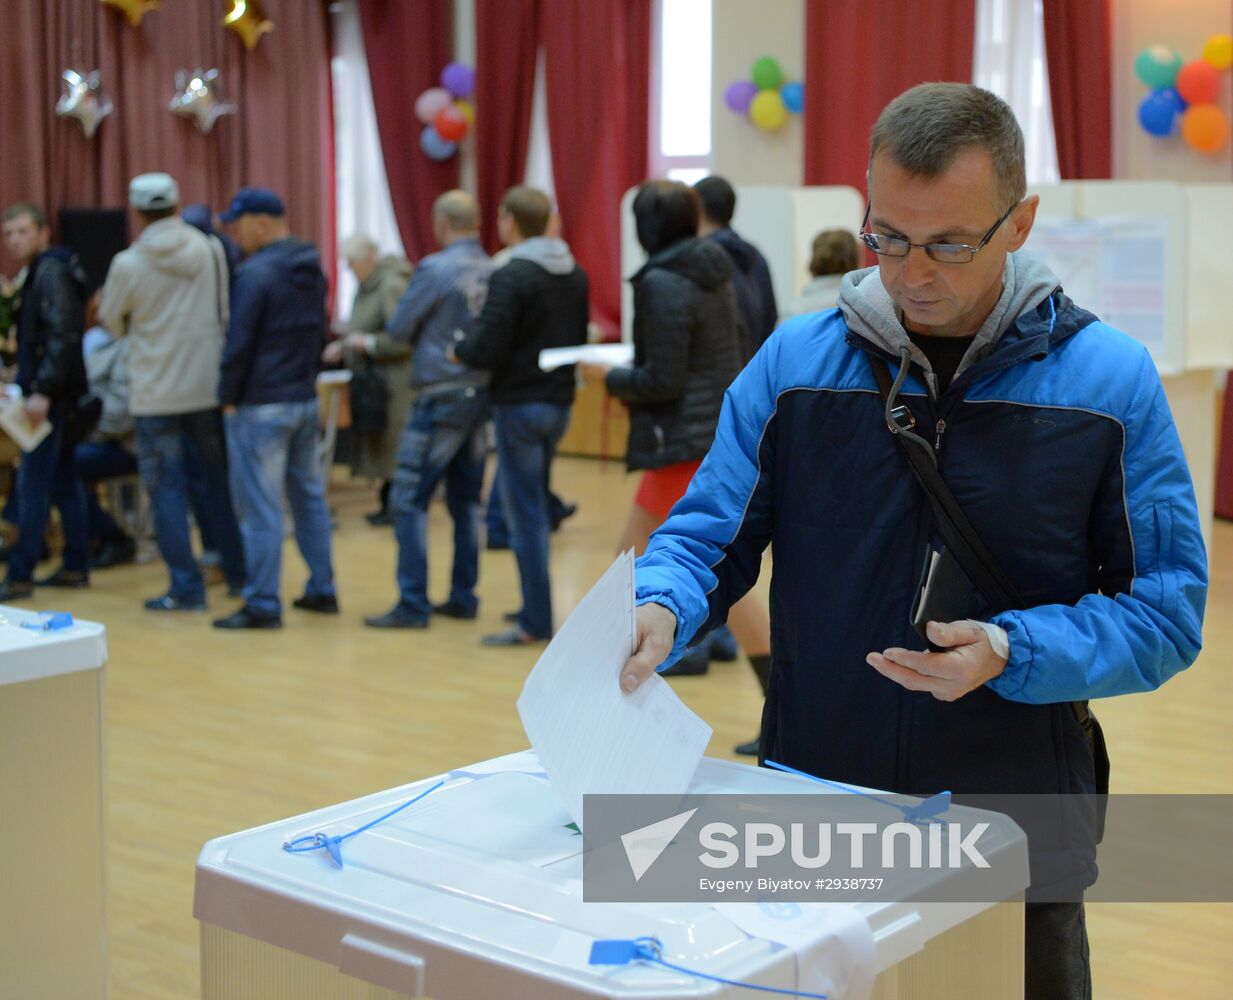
[247,19]
[134,10]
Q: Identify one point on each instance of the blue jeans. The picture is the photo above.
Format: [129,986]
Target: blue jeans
[95,462]
[46,476]
[168,445]
[495,523]
[444,437]
[273,447]
[527,436]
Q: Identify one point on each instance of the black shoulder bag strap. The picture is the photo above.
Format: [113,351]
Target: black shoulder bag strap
[958,533]
[982,568]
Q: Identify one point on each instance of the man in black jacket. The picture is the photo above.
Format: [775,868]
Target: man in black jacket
[539,299]
[752,278]
[51,374]
[268,391]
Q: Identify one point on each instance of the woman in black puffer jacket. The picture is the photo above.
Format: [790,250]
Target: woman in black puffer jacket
[687,348]
[686,352]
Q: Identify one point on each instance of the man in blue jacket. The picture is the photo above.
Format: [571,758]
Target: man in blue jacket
[1054,435]
[444,436]
[268,390]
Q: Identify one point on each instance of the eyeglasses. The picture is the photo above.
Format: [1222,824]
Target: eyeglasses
[943,253]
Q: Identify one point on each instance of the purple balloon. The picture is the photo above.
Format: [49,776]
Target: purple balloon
[740,95]
[458,79]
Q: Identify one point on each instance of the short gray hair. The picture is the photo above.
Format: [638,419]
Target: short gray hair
[458,210]
[357,246]
[923,129]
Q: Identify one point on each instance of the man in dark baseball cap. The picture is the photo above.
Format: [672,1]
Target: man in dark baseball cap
[269,368]
[254,201]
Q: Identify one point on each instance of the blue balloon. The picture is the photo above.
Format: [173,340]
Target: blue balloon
[793,97]
[1158,111]
[434,147]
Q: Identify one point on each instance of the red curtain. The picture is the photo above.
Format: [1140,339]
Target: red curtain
[1078,50]
[506,39]
[597,62]
[281,137]
[407,46]
[860,56]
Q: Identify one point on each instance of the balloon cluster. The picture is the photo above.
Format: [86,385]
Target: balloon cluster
[1185,91]
[446,113]
[766,98]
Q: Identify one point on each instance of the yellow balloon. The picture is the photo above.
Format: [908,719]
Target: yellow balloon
[1218,51]
[134,10]
[767,110]
[467,109]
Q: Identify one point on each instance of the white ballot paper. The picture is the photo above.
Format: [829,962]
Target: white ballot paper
[16,424]
[615,355]
[589,735]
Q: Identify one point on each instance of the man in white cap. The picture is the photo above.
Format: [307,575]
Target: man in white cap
[168,292]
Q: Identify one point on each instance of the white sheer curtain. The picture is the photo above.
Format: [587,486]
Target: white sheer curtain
[362,192]
[538,172]
[1009,59]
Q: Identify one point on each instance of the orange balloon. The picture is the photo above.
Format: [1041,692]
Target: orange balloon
[1198,82]
[1204,127]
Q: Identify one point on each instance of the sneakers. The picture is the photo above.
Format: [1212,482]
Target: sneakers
[452,609]
[247,618]
[512,636]
[695,663]
[396,617]
[567,510]
[169,602]
[68,578]
[749,749]
[379,518]
[322,604]
[16,590]
[722,645]
[115,552]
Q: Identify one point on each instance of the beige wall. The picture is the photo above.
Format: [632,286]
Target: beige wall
[744,31]
[1183,25]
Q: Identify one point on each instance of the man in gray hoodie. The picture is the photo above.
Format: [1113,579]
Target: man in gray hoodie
[539,299]
[168,293]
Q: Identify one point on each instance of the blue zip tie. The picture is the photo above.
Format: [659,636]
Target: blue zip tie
[930,808]
[50,621]
[650,949]
[333,845]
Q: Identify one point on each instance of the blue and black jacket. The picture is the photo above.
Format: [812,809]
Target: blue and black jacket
[1060,448]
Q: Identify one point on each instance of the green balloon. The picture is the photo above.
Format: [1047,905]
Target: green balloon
[1157,66]
[767,75]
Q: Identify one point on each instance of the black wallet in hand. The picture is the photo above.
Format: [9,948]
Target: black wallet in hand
[945,594]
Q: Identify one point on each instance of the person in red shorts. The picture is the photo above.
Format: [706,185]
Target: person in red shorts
[687,349]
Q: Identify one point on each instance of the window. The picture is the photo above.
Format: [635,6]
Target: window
[681,90]
[1009,59]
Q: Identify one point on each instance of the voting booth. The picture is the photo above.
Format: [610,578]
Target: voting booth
[475,892]
[52,874]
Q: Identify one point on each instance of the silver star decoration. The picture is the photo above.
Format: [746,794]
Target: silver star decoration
[199,96]
[84,100]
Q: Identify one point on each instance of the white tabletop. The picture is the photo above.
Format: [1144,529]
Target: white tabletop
[27,654]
